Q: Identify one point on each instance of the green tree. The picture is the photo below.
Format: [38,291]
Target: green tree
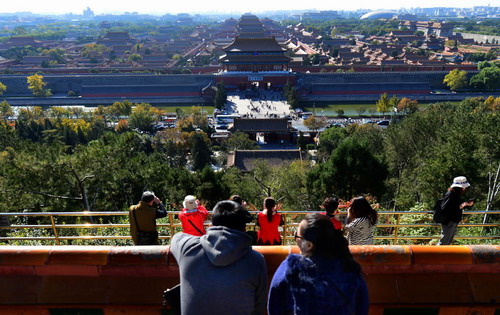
[393,102]
[5,110]
[301,141]
[488,78]
[426,149]
[94,50]
[199,117]
[135,57]
[168,143]
[118,109]
[290,94]
[351,170]
[211,188]
[456,79]
[56,54]
[201,154]
[239,141]
[484,64]
[220,96]
[142,117]
[3,88]
[329,140]
[37,86]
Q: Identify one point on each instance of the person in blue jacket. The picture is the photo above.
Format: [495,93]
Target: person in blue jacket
[324,279]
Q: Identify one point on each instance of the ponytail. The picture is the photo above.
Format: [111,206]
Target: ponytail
[269,204]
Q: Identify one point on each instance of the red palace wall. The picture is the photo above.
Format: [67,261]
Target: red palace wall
[234,81]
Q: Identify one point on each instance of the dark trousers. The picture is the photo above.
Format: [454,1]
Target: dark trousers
[448,232]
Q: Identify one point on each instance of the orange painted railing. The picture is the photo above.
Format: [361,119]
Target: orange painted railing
[130,280]
[51,228]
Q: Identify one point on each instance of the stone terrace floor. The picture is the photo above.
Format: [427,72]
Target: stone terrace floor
[267,104]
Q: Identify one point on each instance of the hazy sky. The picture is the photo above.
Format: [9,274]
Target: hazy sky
[254,6]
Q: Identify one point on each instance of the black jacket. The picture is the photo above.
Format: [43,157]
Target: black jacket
[450,207]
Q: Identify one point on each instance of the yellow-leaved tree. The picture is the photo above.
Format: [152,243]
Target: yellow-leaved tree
[37,86]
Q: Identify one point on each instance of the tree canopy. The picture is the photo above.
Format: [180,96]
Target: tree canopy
[62,160]
[37,86]
[456,79]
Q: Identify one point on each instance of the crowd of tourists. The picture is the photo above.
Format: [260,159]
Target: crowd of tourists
[323,279]
[359,224]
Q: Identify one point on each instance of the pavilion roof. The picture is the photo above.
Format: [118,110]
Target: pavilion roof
[254,59]
[254,44]
[246,160]
[261,125]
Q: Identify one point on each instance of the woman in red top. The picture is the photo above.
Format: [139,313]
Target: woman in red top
[192,216]
[269,220]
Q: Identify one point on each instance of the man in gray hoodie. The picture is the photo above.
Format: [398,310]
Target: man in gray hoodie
[220,273]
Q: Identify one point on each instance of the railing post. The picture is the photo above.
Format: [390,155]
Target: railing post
[55,229]
[284,228]
[172,230]
[396,230]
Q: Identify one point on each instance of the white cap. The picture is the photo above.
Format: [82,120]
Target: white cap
[460,181]
[190,202]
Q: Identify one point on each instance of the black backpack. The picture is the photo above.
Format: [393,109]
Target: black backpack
[439,216]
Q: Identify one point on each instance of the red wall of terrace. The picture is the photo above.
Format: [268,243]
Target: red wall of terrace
[130,280]
[234,80]
[385,68]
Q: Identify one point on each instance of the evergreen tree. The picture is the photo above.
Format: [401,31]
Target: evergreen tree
[201,154]
[301,141]
[220,96]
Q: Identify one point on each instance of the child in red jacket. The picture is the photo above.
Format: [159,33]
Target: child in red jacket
[269,221]
[330,205]
[192,216]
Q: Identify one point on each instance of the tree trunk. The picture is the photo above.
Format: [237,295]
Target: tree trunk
[493,189]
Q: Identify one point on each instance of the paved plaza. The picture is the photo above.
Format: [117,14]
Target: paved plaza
[261,104]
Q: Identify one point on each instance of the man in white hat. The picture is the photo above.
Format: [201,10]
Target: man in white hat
[451,209]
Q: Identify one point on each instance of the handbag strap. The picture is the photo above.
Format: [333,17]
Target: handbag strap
[195,227]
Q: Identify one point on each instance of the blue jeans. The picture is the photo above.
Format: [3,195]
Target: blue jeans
[448,233]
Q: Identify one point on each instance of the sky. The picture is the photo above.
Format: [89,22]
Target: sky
[222,6]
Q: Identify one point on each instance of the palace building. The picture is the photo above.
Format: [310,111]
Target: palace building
[254,59]
[254,55]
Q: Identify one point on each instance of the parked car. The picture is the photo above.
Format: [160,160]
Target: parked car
[383,123]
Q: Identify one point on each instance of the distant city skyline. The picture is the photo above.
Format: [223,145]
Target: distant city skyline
[220,6]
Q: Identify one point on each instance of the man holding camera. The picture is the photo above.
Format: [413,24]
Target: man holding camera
[143,217]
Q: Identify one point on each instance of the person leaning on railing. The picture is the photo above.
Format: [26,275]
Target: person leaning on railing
[361,221]
[143,219]
[331,204]
[269,221]
[192,216]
